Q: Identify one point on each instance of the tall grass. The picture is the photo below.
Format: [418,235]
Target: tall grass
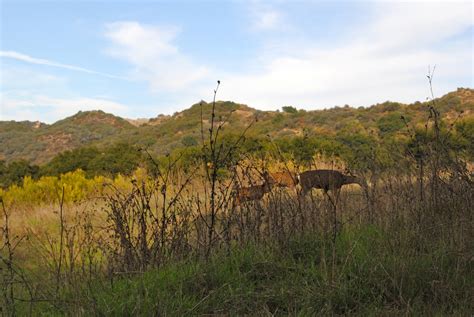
[275,256]
[171,241]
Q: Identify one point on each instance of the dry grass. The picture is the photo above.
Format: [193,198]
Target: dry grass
[156,222]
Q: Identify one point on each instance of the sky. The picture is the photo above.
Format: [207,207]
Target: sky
[138,59]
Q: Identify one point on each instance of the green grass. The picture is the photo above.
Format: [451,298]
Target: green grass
[362,275]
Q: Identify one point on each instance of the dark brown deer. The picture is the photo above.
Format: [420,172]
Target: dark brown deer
[285,179]
[255,192]
[326,180]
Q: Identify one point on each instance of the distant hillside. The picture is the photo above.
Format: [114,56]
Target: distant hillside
[38,142]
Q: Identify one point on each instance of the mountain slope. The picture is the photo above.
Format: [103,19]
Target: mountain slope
[39,142]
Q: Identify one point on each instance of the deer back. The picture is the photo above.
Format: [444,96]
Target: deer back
[284,179]
[323,179]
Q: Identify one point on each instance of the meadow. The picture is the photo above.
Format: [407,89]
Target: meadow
[170,239]
[123,253]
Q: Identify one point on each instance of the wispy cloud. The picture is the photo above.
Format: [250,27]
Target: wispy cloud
[267,19]
[278,57]
[23,77]
[153,55]
[27,106]
[379,62]
[386,58]
[39,61]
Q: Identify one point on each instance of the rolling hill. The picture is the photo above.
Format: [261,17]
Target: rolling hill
[38,142]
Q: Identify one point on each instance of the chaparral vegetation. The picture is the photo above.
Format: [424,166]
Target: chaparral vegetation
[209,211]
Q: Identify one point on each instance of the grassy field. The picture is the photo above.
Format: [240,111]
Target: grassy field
[387,253]
[358,275]
[178,240]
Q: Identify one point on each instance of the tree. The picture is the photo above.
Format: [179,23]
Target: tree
[121,158]
[465,131]
[70,161]
[14,172]
[289,109]
[391,123]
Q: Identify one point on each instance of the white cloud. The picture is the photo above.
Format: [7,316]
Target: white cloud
[154,57]
[387,58]
[22,105]
[265,16]
[26,94]
[412,24]
[25,78]
[267,19]
[32,60]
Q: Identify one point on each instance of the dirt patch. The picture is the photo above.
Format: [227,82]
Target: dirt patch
[56,143]
[138,122]
[158,120]
[297,132]
[98,117]
[466,95]
[244,113]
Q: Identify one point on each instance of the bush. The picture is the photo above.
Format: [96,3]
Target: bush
[14,172]
[391,123]
[289,109]
[120,158]
[69,161]
[189,141]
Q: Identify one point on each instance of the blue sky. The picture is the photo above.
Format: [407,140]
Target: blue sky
[141,58]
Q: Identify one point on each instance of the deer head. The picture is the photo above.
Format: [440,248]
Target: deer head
[255,192]
[353,179]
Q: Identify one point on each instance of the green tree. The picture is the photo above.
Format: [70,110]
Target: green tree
[289,109]
[70,161]
[359,150]
[465,131]
[120,158]
[14,172]
[391,123]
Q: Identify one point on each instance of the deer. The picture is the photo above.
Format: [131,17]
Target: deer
[285,179]
[326,180]
[255,192]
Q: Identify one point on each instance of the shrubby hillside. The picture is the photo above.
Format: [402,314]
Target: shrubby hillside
[156,217]
[38,142]
[101,143]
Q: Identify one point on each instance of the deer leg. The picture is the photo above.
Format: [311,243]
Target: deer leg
[338,225]
[329,197]
[337,193]
[334,211]
[300,209]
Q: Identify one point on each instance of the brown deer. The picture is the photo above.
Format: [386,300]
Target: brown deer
[255,192]
[285,179]
[326,180]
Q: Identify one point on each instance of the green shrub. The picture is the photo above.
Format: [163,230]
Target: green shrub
[289,109]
